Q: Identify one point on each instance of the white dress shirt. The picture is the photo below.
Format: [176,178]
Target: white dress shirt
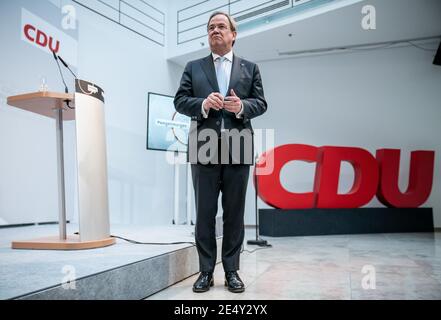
[228,64]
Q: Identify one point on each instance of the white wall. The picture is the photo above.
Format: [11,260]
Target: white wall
[389,98]
[127,67]
[28,159]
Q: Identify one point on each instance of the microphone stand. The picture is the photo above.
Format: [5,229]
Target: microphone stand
[258,242]
[67,66]
[61,73]
[66,90]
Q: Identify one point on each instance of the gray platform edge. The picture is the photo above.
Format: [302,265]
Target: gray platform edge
[133,281]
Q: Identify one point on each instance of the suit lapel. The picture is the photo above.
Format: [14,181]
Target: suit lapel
[208,67]
[235,73]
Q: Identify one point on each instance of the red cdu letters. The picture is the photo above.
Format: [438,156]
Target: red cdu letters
[42,39]
[372,176]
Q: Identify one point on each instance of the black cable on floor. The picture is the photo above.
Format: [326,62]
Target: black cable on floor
[152,243]
[149,243]
[261,248]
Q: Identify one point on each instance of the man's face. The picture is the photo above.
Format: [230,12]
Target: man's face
[220,35]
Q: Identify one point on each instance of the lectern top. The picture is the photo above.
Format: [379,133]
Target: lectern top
[45,103]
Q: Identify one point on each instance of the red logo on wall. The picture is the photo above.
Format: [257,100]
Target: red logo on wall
[41,38]
[373,176]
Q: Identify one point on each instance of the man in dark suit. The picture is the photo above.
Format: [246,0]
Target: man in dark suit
[221,93]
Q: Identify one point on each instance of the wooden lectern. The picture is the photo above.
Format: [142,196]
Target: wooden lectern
[86,107]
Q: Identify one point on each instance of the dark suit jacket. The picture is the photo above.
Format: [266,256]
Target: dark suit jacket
[199,81]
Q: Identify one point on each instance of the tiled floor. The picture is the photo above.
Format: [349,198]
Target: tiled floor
[401,266]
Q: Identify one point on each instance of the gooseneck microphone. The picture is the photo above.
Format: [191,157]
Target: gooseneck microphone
[67,66]
[66,90]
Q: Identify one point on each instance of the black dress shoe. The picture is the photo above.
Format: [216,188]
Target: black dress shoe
[233,282]
[204,282]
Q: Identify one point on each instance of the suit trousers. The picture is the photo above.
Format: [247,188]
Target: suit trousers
[208,181]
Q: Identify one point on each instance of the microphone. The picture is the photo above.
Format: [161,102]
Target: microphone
[67,66]
[66,90]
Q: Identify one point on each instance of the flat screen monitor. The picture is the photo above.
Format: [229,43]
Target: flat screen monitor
[167,130]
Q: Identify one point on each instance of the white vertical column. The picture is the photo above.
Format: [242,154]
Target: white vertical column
[189,194]
[61,185]
[176,205]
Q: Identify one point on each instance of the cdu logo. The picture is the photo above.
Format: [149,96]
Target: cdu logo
[41,34]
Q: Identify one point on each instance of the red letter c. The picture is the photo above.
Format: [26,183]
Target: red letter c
[26,32]
[269,186]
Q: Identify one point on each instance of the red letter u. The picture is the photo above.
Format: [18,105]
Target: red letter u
[57,47]
[420,178]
